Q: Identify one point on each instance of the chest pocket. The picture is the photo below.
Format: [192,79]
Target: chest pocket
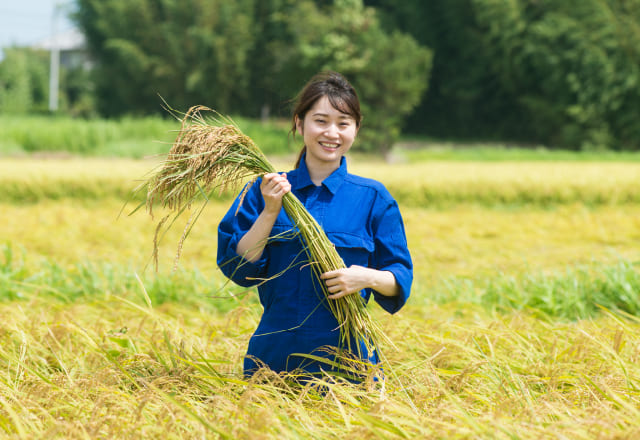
[283,248]
[353,248]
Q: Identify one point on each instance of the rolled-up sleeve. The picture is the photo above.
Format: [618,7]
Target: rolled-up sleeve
[231,229]
[391,252]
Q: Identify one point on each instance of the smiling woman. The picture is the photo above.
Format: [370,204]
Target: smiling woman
[259,245]
[327,115]
[328,135]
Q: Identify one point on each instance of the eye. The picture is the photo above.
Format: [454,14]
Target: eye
[320,121]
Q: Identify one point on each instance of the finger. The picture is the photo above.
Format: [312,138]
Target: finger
[279,186]
[329,274]
[284,186]
[273,187]
[270,175]
[272,179]
[339,294]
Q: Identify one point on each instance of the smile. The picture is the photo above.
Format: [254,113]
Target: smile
[330,145]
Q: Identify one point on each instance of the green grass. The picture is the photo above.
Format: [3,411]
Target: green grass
[578,292]
[126,137]
[148,136]
[92,280]
[421,150]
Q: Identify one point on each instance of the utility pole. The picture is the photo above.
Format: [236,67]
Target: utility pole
[54,69]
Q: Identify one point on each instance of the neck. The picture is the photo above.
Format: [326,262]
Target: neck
[318,171]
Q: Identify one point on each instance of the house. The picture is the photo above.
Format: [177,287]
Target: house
[72,46]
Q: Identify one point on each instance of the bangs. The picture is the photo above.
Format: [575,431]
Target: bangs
[343,106]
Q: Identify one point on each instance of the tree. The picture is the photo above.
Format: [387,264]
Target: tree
[272,73]
[574,67]
[533,71]
[250,56]
[188,51]
[23,81]
[390,71]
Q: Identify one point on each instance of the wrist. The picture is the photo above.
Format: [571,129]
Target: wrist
[270,213]
[384,282]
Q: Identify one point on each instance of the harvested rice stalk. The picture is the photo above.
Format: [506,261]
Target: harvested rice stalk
[213,153]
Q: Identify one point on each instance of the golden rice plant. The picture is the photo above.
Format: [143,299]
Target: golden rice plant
[211,153]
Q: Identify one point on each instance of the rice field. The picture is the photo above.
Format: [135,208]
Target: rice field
[524,321]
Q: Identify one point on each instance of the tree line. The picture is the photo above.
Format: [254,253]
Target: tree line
[563,73]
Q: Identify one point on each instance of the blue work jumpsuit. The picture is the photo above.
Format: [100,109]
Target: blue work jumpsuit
[360,218]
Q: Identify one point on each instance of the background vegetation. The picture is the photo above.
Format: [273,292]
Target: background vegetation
[559,73]
[550,73]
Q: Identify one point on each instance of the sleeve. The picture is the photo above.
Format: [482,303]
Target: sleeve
[391,252]
[233,226]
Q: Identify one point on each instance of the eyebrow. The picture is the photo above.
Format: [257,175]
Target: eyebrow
[326,115]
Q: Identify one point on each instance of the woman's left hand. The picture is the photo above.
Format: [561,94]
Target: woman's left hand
[354,278]
[346,281]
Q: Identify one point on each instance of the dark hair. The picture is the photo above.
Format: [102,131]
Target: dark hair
[334,86]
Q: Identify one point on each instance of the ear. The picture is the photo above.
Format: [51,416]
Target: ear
[299,126]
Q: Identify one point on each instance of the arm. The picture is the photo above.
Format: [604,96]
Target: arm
[273,187]
[389,273]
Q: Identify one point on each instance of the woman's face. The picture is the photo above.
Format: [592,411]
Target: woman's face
[327,132]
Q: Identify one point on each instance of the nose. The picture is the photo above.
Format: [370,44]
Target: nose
[331,131]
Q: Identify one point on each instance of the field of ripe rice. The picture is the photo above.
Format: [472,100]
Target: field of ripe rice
[434,184]
[524,321]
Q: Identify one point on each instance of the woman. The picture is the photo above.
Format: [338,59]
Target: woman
[256,241]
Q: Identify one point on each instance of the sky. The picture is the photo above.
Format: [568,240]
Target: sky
[26,22]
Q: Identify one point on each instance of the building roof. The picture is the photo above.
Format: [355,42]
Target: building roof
[72,39]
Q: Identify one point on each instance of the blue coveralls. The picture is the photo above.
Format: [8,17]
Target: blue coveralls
[363,221]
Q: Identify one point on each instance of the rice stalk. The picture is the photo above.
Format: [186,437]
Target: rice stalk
[213,154]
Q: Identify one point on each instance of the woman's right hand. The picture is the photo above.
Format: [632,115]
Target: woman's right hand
[273,187]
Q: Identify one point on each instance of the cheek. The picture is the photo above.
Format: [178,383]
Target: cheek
[311,131]
[350,135]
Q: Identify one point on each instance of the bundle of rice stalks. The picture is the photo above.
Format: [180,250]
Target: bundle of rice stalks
[212,153]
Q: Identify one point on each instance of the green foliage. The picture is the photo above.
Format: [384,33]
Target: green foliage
[578,293]
[274,73]
[250,57]
[575,67]
[464,100]
[23,81]
[499,153]
[21,279]
[390,71]
[24,85]
[189,51]
[79,136]
[564,74]
[78,94]
[124,137]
